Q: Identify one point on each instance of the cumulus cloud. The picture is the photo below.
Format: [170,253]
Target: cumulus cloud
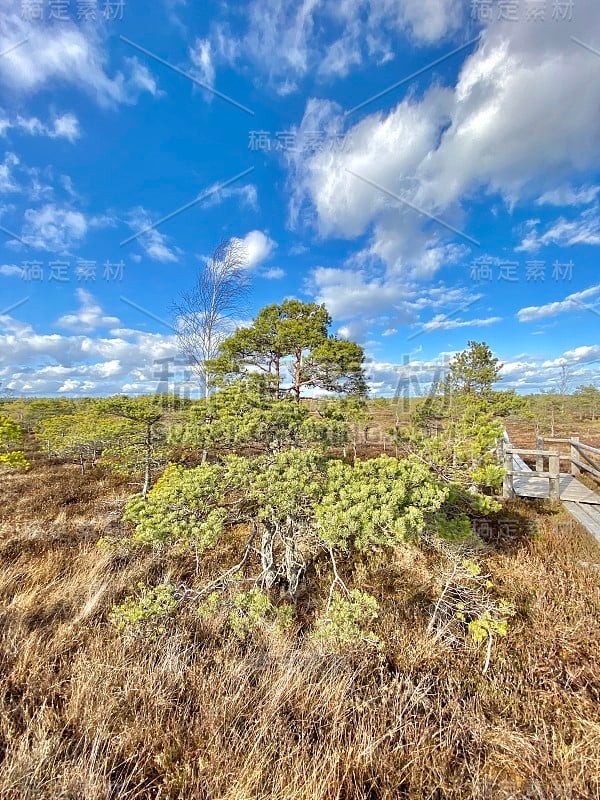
[88,317]
[534,373]
[500,130]
[526,373]
[350,293]
[65,126]
[257,247]
[82,362]
[124,360]
[58,228]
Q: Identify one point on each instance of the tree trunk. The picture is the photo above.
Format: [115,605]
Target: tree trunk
[293,560]
[297,374]
[148,465]
[266,556]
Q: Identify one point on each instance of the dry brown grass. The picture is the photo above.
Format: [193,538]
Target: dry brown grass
[86,714]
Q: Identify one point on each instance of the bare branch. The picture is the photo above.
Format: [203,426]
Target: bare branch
[206,315]
[337,581]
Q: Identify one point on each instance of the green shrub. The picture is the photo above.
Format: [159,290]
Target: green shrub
[144,613]
[382,501]
[347,620]
[11,436]
[182,506]
[247,611]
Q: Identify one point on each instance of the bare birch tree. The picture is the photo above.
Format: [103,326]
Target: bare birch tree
[205,315]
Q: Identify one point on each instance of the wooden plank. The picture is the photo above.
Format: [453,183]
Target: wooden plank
[590,519]
[534,486]
[572,489]
[520,464]
[528,473]
[589,448]
[521,452]
[588,459]
[581,502]
[581,465]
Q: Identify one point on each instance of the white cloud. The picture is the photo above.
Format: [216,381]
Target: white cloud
[247,194]
[33,362]
[441,322]
[11,271]
[429,20]
[357,330]
[8,182]
[274,274]
[154,243]
[502,129]
[340,58]
[534,373]
[64,54]
[351,293]
[65,126]
[201,56]
[573,302]
[58,228]
[284,40]
[18,178]
[354,293]
[564,232]
[388,153]
[258,247]
[140,80]
[527,373]
[568,196]
[89,316]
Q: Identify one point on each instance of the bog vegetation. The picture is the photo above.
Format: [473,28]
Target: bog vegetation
[262,594]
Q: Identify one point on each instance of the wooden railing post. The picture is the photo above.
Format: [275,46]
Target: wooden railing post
[500,450]
[554,469]
[539,460]
[508,490]
[575,456]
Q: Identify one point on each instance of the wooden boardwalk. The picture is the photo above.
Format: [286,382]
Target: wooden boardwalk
[587,515]
[570,488]
[581,502]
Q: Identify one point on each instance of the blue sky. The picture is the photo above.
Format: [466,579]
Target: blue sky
[425,210]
